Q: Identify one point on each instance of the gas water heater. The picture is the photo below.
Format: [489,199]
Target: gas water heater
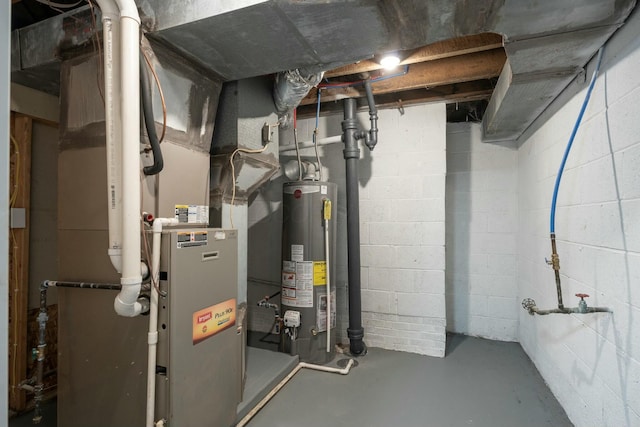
[308,260]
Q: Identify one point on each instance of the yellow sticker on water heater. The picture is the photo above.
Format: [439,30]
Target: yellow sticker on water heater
[319,273]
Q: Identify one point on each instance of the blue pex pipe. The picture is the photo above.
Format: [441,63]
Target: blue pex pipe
[554,200]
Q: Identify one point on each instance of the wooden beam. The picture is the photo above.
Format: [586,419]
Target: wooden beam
[459,92]
[440,50]
[20,187]
[458,69]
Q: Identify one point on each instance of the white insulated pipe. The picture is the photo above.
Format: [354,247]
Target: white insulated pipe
[285,380]
[152,337]
[309,144]
[112,99]
[126,302]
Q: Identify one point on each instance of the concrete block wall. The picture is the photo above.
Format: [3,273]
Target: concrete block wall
[402,189]
[591,362]
[482,225]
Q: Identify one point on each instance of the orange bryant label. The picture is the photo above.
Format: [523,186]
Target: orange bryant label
[212,320]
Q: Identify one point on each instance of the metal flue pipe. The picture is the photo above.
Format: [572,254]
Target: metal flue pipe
[371,136]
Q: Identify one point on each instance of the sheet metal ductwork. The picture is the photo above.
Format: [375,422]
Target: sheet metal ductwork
[547,43]
[291,86]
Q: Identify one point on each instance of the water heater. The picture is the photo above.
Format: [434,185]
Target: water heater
[308,260]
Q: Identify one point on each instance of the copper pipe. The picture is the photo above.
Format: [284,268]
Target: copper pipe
[555,264]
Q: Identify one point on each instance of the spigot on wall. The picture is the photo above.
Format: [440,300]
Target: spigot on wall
[582,304]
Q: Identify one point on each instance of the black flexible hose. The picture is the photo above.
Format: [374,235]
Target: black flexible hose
[150,124]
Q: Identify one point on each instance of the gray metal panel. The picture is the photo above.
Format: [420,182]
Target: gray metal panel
[166,14]
[327,31]
[520,98]
[205,377]
[253,41]
[102,361]
[556,52]
[519,19]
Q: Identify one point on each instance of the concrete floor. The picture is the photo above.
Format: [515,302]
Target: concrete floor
[479,383]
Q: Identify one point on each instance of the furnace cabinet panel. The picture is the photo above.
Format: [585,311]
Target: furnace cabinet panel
[103,357]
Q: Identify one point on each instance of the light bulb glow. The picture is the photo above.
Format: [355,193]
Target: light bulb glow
[390,61]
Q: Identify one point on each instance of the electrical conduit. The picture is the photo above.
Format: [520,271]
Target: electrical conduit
[152,339]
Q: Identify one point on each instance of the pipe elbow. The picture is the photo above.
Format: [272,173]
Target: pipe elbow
[128,9]
[109,9]
[126,303]
[115,255]
[159,223]
[126,309]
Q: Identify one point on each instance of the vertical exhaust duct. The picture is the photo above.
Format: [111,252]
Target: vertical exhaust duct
[123,162]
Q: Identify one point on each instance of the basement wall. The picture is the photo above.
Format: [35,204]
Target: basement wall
[43,212]
[482,225]
[402,227]
[590,362]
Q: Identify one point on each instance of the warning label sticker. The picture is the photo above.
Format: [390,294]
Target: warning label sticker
[297,285]
[289,266]
[319,273]
[192,238]
[289,279]
[321,312]
[297,253]
[192,214]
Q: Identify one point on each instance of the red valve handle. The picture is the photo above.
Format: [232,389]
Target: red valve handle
[582,295]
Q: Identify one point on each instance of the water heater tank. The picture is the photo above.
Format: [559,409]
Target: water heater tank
[304,268]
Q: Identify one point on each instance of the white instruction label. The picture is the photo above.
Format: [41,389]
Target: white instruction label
[321,312]
[192,214]
[289,266]
[297,252]
[323,189]
[297,286]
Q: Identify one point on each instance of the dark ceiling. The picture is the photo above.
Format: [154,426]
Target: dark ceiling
[519,55]
[27,12]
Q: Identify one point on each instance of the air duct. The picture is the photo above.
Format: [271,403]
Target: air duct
[291,86]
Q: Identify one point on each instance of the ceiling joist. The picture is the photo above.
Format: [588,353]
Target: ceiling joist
[457,69]
[452,93]
[440,50]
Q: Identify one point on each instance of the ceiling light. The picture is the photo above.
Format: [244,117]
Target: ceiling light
[390,60]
